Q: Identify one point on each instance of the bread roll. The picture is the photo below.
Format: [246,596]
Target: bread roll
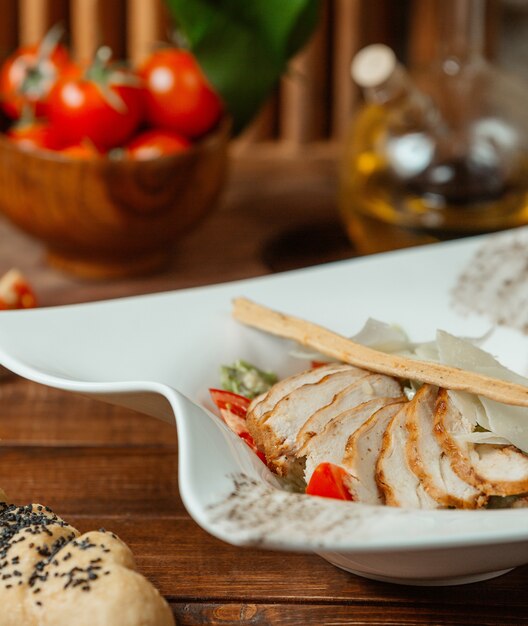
[51,576]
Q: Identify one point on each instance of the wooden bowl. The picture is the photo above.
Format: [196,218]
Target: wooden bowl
[106,218]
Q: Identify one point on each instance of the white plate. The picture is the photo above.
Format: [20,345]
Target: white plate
[137,352]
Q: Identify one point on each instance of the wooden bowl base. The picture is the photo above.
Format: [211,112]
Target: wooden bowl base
[108,268]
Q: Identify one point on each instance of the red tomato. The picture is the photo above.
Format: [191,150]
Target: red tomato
[33,135]
[178,96]
[233,409]
[82,150]
[328,481]
[15,292]
[156,143]
[249,440]
[106,109]
[235,422]
[238,425]
[316,364]
[28,75]
[233,402]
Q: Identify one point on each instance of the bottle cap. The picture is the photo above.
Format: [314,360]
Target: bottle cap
[373,65]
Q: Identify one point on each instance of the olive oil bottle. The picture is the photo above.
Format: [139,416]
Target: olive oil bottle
[437,154]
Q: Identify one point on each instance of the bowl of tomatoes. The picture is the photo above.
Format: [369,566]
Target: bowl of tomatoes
[105,165]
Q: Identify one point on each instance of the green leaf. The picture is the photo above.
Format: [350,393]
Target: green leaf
[243,46]
[246,379]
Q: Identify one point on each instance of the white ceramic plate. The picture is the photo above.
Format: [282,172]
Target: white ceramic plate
[159,354]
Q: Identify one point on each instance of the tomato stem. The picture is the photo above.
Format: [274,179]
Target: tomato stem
[178,38]
[50,42]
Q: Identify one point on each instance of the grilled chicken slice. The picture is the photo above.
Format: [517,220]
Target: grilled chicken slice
[428,460]
[361,455]
[394,477]
[276,432]
[329,445]
[366,388]
[495,470]
[264,403]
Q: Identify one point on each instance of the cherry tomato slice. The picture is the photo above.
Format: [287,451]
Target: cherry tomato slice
[233,409]
[328,481]
[236,423]
[233,402]
[15,292]
[316,364]
[249,440]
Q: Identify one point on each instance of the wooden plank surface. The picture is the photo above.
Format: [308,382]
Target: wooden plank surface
[294,615]
[95,479]
[104,466]
[33,415]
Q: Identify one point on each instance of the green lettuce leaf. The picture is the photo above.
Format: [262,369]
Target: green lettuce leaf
[245,379]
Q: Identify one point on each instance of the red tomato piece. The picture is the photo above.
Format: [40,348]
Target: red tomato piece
[233,402]
[178,95]
[328,481]
[33,135]
[238,425]
[316,364]
[153,144]
[235,422]
[29,74]
[233,409]
[249,440]
[15,292]
[83,150]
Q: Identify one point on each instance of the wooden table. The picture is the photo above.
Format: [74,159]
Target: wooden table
[99,465]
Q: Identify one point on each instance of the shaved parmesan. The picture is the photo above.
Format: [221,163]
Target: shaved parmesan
[427,351]
[383,337]
[507,422]
[374,334]
[471,408]
[480,437]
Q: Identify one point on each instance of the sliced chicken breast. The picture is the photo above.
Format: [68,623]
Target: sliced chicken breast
[329,445]
[428,460]
[366,388]
[261,406]
[361,455]
[278,430]
[395,479]
[495,470]
[264,403]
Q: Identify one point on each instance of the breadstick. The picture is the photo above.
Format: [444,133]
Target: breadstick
[338,347]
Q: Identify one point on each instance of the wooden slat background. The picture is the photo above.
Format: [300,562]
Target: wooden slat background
[315,98]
